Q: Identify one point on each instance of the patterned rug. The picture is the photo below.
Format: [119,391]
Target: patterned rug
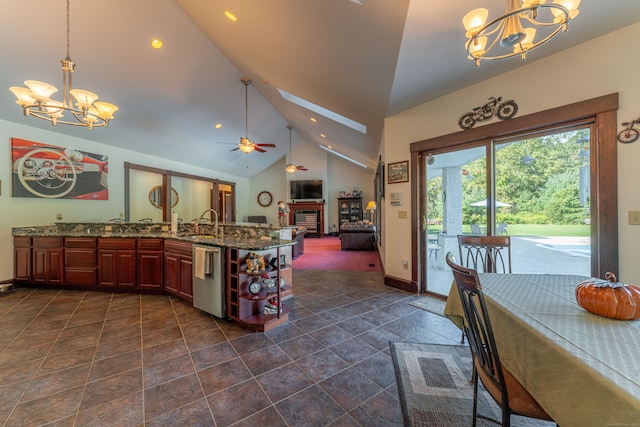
[435,388]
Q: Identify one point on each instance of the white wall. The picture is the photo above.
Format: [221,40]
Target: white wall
[586,71]
[20,211]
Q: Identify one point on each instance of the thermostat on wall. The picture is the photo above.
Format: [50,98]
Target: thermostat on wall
[396,198]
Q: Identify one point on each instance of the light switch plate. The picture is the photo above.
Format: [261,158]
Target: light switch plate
[634,217]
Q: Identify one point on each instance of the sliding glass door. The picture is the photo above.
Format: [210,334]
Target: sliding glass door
[534,188]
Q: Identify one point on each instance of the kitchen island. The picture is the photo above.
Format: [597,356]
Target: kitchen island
[148,258]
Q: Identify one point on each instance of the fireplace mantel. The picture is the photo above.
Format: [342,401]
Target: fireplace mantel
[308,206]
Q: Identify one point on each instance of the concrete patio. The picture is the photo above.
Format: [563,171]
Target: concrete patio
[529,254]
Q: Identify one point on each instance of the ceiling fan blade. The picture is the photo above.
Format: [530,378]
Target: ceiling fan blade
[266,145]
[301,168]
[234,149]
[259,149]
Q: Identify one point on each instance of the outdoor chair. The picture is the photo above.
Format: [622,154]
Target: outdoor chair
[512,397]
[475,229]
[487,254]
[501,228]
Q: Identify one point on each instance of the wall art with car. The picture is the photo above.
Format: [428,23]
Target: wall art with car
[53,172]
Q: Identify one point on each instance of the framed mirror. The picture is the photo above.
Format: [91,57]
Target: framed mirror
[155,196]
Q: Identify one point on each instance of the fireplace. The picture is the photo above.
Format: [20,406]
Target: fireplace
[309,215]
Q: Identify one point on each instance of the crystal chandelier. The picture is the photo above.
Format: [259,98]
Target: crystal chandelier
[514,32]
[35,99]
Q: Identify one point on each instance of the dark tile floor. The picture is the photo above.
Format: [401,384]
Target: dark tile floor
[72,358]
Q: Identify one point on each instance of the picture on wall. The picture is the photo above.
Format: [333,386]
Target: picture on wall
[53,172]
[398,172]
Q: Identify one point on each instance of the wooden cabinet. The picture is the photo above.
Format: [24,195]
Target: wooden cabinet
[178,269]
[349,210]
[80,262]
[117,263]
[22,259]
[250,295]
[47,256]
[149,255]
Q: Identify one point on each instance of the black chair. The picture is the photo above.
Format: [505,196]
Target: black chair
[512,397]
[487,254]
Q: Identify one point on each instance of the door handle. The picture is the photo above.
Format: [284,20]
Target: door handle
[424,223]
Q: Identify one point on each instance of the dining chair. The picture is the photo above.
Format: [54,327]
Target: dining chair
[475,229]
[508,393]
[487,254]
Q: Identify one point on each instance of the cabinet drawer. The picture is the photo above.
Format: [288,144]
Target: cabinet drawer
[150,244]
[80,276]
[178,247]
[80,242]
[116,243]
[79,256]
[21,242]
[47,242]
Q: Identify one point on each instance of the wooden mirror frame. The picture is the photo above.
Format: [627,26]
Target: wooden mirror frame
[157,194]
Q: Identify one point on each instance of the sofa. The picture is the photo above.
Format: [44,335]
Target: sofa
[357,236]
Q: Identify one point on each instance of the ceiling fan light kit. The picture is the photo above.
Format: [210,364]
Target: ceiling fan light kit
[36,102]
[514,32]
[246,145]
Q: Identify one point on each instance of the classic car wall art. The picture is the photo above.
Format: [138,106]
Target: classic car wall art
[53,172]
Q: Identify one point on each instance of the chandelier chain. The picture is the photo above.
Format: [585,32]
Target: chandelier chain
[68,29]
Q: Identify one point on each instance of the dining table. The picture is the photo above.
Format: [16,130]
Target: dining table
[583,369]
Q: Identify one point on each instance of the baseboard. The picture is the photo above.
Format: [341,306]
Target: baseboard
[405,285]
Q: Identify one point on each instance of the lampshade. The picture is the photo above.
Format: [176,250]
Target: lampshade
[371,206]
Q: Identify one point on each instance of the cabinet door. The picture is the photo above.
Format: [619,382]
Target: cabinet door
[39,265]
[186,278]
[150,270]
[172,273]
[107,274]
[55,266]
[22,264]
[126,268]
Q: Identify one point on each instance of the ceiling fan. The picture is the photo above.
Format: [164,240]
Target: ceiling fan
[246,145]
[291,168]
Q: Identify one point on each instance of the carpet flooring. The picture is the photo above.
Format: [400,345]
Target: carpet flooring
[324,253]
[435,388]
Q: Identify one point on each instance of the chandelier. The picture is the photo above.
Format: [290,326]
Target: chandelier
[36,102]
[514,33]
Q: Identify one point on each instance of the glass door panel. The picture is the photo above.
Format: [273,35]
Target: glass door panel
[455,180]
[544,184]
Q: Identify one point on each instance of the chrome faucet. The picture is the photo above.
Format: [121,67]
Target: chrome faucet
[215,227]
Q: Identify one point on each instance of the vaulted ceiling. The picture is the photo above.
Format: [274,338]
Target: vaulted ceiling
[363,59]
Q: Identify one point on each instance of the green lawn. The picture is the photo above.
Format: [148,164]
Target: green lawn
[536,230]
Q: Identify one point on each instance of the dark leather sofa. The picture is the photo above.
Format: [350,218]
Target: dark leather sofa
[357,237]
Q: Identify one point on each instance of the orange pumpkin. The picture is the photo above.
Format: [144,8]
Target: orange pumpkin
[609,298]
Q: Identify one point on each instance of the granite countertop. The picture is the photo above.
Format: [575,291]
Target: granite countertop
[231,241]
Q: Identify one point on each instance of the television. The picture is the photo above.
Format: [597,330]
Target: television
[307,189]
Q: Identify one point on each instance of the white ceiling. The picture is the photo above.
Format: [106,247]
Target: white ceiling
[365,62]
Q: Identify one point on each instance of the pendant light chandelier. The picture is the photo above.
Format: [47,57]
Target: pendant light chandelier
[514,33]
[36,102]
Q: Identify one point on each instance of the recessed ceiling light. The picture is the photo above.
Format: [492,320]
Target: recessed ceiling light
[156,43]
[323,111]
[313,119]
[231,16]
[323,135]
[218,125]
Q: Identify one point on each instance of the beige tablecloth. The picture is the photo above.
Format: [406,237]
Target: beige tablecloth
[584,369]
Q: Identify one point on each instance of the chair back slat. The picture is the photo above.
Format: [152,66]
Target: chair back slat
[477,326]
[487,254]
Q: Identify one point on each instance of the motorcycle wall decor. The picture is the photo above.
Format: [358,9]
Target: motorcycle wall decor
[502,109]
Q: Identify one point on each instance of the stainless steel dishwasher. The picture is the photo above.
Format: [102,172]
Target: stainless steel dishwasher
[208,280]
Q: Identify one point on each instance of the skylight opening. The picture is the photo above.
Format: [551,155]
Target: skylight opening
[344,156]
[323,111]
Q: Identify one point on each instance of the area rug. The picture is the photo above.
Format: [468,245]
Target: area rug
[431,304]
[435,388]
[325,253]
